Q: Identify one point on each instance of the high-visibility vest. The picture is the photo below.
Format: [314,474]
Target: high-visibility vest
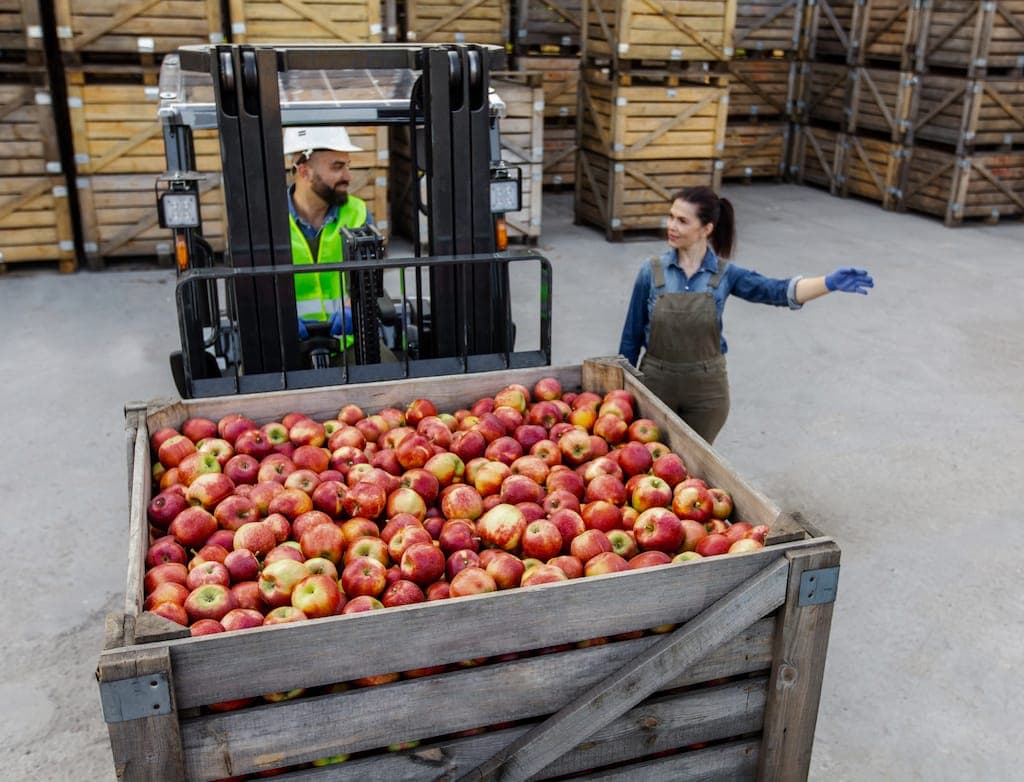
[319,294]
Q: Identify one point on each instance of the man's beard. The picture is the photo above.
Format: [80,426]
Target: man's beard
[329,195]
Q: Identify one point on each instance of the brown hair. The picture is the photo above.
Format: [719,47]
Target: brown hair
[714,210]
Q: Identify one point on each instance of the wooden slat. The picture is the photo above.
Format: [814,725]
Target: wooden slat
[582,717]
[800,646]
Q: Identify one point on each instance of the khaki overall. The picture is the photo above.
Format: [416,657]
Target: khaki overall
[684,365]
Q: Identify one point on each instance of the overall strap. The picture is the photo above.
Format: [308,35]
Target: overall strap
[658,271]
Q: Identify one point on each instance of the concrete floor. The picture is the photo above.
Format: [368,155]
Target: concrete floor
[894,422]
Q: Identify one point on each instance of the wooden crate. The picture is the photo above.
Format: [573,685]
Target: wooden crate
[659,30]
[964,114]
[633,118]
[628,196]
[755,150]
[309,21]
[522,145]
[741,671]
[461,21]
[35,217]
[111,27]
[21,34]
[119,153]
[817,157]
[560,78]
[768,26]
[983,186]
[546,26]
[871,169]
[559,166]
[762,87]
[975,38]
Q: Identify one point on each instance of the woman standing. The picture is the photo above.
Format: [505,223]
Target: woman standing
[675,312]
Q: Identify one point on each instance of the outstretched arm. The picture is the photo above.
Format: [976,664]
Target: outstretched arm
[846,279]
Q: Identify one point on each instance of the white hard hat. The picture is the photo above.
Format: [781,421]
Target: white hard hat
[306,140]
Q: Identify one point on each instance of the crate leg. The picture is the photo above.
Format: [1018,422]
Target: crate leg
[794,688]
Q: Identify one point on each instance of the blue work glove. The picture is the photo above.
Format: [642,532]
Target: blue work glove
[303,331]
[849,280]
[336,322]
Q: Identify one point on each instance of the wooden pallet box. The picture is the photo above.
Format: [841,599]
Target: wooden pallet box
[985,186]
[762,87]
[666,31]
[621,197]
[99,29]
[871,169]
[755,150]
[863,32]
[119,153]
[560,77]
[817,157]
[461,21]
[35,217]
[310,21]
[768,26]
[964,114]
[629,117]
[21,33]
[729,688]
[549,27]
[975,38]
[522,145]
[559,166]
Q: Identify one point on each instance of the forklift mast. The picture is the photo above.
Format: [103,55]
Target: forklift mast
[441,92]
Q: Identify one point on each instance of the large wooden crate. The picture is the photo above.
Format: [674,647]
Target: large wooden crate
[646,117]
[457,21]
[817,157]
[21,35]
[621,197]
[119,153]
[546,26]
[35,218]
[768,26]
[983,186]
[863,32]
[522,145]
[559,166]
[871,169]
[658,30]
[309,21]
[755,150]
[101,28]
[762,87]
[975,38]
[964,114]
[728,690]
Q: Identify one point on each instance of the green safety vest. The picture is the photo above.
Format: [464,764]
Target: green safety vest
[319,294]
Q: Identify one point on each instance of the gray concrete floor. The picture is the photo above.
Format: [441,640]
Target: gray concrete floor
[894,422]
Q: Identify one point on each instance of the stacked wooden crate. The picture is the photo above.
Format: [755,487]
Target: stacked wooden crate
[111,57]
[652,109]
[546,41]
[35,217]
[762,82]
[967,160]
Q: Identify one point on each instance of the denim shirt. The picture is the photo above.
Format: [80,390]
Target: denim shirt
[737,281]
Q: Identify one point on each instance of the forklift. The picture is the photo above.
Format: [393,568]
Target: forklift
[452,311]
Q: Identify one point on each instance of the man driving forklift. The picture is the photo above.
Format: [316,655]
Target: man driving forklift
[319,207]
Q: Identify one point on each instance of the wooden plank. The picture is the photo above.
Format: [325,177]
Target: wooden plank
[148,748]
[800,647]
[361,719]
[582,717]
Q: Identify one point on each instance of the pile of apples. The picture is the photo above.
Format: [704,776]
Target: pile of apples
[298,519]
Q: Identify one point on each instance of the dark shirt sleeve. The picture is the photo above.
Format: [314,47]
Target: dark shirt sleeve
[754,287]
[635,328]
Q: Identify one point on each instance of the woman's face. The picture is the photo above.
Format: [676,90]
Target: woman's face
[684,227]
